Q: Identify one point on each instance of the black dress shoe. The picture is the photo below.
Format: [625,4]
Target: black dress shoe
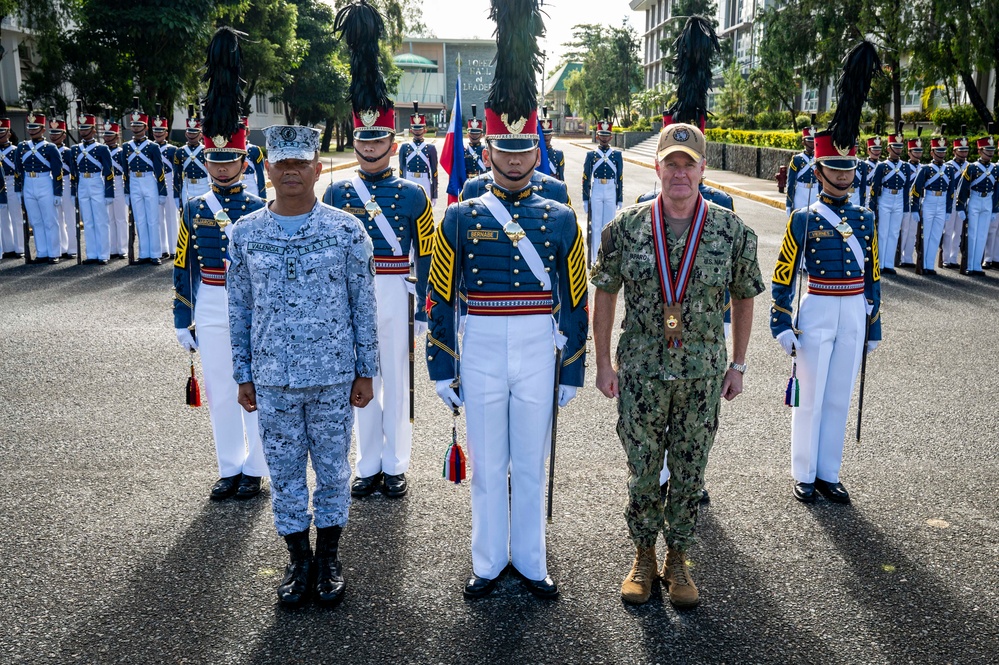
[931,273]
[986,265]
[545,588]
[116,256]
[704,496]
[165,255]
[395,486]
[952,266]
[139,262]
[90,262]
[68,255]
[249,487]
[53,260]
[976,273]
[834,492]
[906,265]
[103,262]
[889,271]
[365,486]
[224,487]
[9,255]
[477,587]
[804,492]
[156,261]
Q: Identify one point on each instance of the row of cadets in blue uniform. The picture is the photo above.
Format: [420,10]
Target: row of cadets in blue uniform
[802,186]
[556,158]
[474,164]
[169,208]
[890,187]
[118,210]
[190,176]
[11,219]
[874,149]
[910,220]
[603,184]
[833,242]
[950,245]
[417,158]
[521,258]
[254,178]
[932,204]
[38,179]
[94,185]
[200,307]
[66,213]
[145,186]
[397,214]
[978,198]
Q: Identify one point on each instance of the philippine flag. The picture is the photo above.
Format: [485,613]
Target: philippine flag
[545,165]
[453,152]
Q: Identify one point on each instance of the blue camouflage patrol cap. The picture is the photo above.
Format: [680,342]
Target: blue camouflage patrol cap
[291,142]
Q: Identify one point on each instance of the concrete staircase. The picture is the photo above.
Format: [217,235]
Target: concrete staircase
[644,151]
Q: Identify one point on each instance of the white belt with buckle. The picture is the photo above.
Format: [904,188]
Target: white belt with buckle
[32,174]
[603,181]
[808,185]
[86,174]
[138,174]
[936,192]
[193,181]
[985,194]
[893,191]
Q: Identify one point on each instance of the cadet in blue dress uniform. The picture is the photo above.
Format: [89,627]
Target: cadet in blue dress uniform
[253,177]
[169,209]
[66,213]
[94,189]
[201,305]
[417,158]
[802,186]
[556,158]
[401,224]
[890,199]
[910,220]
[145,187]
[117,211]
[836,244]
[474,164]
[932,203]
[38,179]
[190,178]
[520,257]
[11,221]
[868,166]
[951,243]
[603,183]
[978,198]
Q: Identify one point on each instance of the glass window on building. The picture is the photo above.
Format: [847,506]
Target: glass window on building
[261,102]
[810,100]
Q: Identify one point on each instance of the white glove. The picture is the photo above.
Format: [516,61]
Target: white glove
[411,287]
[176,203]
[871,345]
[565,394]
[789,341]
[186,339]
[787,212]
[915,217]
[619,204]
[433,202]
[109,201]
[419,327]
[58,201]
[961,215]
[163,200]
[447,394]
[586,206]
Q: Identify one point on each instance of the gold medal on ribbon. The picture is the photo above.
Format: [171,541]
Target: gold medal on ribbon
[673,322]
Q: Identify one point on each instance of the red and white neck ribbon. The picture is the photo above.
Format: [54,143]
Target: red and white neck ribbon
[674,286]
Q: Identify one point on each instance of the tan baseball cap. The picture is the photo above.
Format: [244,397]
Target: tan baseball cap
[681,137]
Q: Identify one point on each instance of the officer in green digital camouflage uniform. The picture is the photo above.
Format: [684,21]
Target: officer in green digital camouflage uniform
[672,364]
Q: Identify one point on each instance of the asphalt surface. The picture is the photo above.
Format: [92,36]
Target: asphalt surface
[110,551]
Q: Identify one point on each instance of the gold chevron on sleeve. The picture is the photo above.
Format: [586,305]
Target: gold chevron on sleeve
[182,240]
[876,275]
[442,265]
[425,231]
[577,269]
[784,270]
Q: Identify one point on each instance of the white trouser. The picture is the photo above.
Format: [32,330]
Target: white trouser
[169,226]
[991,242]
[804,194]
[94,213]
[11,221]
[250,183]
[40,205]
[508,374]
[934,216]
[421,179]
[951,243]
[603,207]
[908,235]
[979,219]
[832,339]
[190,191]
[145,201]
[855,197]
[237,437]
[118,218]
[66,219]
[890,213]
[384,433]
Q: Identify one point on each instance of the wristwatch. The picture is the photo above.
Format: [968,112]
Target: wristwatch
[741,369]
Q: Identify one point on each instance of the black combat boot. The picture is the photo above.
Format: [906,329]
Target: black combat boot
[294,586]
[330,584]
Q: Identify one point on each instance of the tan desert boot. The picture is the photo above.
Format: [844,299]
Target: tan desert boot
[682,590]
[637,586]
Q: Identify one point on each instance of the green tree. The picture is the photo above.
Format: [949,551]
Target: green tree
[734,97]
[611,69]
[782,51]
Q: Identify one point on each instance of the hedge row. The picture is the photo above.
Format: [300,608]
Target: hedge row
[790,140]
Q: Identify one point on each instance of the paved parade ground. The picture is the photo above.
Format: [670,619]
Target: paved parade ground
[110,551]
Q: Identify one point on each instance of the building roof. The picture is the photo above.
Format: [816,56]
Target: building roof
[556,82]
[413,61]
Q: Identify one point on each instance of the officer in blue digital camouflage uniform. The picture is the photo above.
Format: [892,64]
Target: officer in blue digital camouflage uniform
[802,187]
[145,186]
[835,244]
[397,215]
[474,164]
[254,178]
[11,221]
[169,210]
[518,255]
[417,158]
[190,177]
[978,199]
[932,204]
[39,183]
[201,308]
[890,187]
[94,189]
[603,183]
[556,157]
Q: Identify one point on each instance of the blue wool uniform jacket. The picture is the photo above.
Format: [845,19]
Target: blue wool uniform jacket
[985,188]
[928,183]
[546,187]
[41,158]
[474,164]
[93,160]
[7,159]
[603,172]
[255,169]
[886,178]
[801,171]
[410,162]
[188,163]
[556,161]
[132,157]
